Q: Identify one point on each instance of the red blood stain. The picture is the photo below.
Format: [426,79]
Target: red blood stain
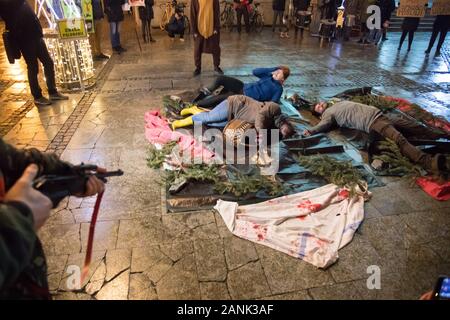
[301,217]
[312,207]
[343,193]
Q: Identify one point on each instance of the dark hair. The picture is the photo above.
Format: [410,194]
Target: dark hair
[313,111]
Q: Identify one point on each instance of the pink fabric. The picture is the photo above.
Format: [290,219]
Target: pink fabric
[158,131]
[439,191]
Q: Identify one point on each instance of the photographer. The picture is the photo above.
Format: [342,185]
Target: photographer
[176,24]
[23,210]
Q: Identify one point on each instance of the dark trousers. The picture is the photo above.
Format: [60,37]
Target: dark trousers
[146,30]
[410,38]
[198,50]
[229,84]
[443,34]
[242,11]
[32,50]
[387,129]
[172,31]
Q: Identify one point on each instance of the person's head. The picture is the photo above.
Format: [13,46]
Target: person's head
[281,74]
[285,126]
[319,108]
[287,129]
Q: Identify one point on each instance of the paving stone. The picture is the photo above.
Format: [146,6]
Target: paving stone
[60,239]
[248,282]
[141,288]
[74,268]
[143,232]
[383,201]
[214,291]
[177,250]
[105,236]
[297,295]
[116,289]
[285,273]
[180,282]
[239,252]
[341,291]
[143,258]
[210,260]
[116,262]
[97,279]
[354,259]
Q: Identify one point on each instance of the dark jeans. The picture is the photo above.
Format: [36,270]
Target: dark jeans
[32,50]
[410,38]
[114,33]
[387,129]
[242,11]
[229,84]
[146,29]
[443,34]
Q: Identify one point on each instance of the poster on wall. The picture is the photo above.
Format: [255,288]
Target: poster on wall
[412,8]
[440,7]
[137,3]
[79,9]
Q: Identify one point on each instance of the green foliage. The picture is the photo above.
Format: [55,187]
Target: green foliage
[377,101]
[340,173]
[156,157]
[398,163]
[244,184]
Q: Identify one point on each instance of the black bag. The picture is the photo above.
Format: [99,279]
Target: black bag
[11,47]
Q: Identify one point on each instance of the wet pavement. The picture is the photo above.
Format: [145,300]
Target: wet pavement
[143,252]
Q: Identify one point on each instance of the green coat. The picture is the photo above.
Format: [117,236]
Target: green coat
[23,268]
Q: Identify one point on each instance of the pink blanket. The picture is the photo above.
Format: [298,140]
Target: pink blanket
[158,131]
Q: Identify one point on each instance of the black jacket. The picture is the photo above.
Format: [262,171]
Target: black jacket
[113,10]
[23,269]
[20,20]
[146,13]
[386,7]
[442,23]
[278,5]
[301,5]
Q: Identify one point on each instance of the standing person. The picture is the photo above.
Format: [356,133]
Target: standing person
[176,24]
[146,16]
[26,32]
[300,6]
[241,7]
[365,32]
[23,211]
[409,27]
[441,25]
[278,7]
[352,14]
[205,23]
[113,9]
[96,37]
[315,17]
[387,7]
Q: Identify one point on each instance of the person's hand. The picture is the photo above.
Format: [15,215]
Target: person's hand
[195,35]
[94,185]
[427,296]
[23,191]
[215,32]
[306,133]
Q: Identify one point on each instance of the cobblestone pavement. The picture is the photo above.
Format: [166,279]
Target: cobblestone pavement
[142,252]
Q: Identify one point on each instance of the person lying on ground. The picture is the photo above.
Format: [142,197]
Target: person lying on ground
[353,115]
[23,211]
[263,115]
[269,87]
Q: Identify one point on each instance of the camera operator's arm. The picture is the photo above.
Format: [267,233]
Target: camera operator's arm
[23,211]
[13,163]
